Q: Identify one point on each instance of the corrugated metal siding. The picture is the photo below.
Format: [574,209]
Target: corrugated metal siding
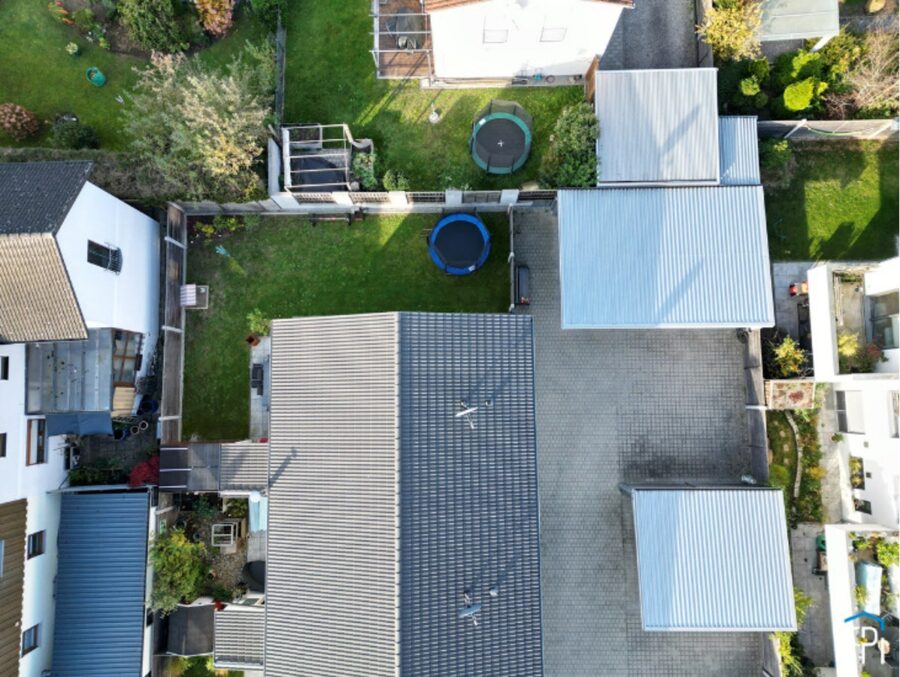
[243,466]
[713,559]
[798,19]
[331,588]
[664,257]
[469,501]
[657,126]
[12,533]
[738,151]
[240,636]
[100,585]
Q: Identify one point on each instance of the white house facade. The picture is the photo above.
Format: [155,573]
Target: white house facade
[521,38]
[77,261]
[863,300]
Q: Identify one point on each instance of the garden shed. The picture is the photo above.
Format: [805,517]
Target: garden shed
[712,559]
[799,20]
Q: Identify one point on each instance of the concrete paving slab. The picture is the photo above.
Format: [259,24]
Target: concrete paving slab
[622,406]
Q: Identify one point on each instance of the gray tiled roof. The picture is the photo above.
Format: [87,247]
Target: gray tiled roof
[389,513]
[191,630]
[37,302]
[239,636]
[36,196]
[243,466]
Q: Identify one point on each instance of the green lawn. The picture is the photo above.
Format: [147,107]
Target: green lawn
[285,267]
[36,71]
[330,78]
[841,203]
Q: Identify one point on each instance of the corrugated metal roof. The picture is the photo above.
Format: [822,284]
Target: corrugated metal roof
[239,636]
[798,19]
[738,151]
[243,466]
[388,510]
[713,559]
[100,584]
[657,126]
[664,257]
[468,496]
[333,557]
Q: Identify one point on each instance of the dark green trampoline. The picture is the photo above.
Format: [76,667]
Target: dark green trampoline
[501,137]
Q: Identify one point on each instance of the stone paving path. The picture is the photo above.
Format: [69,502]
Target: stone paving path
[614,406]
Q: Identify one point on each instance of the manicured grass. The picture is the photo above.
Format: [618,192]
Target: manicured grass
[330,78]
[36,72]
[841,203]
[286,267]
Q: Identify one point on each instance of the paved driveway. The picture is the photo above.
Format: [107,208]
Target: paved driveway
[653,34]
[617,406]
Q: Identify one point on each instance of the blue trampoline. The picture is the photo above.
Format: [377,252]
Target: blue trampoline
[459,244]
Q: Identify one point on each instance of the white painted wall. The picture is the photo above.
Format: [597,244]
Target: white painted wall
[822,323]
[882,280]
[38,605]
[460,51]
[127,300]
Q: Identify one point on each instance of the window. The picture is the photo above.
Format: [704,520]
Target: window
[862,506]
[2,555]
[126,356]
[4,368]
[553,34]
[2,445]
[36,543]
[108,258]
[37,442]
[886,320]
[895,413]
[496,30]
[149,618]
[850,411]
[30,639]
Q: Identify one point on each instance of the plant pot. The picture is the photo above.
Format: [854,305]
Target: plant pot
[252,340]
[120,433]
[135,430]
[144,425]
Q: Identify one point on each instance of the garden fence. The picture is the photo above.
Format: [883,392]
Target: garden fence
[827,129]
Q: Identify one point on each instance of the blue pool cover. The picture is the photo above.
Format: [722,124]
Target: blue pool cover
[459,244]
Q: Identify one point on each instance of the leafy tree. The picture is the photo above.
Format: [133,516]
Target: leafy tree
[732,29]
[200,131]
[571,161]
[179,569]
[152,24]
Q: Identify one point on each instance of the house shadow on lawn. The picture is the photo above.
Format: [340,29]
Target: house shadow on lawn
[841,203]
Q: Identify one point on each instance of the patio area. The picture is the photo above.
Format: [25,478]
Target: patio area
[623,406]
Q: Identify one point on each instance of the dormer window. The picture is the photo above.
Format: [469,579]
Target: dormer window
[108,258]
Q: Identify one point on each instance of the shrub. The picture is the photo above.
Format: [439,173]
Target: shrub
[84,19]
[152,24]
[59,12]
[761,100]
[860,595]
[873,82]
[216,15]
[571,160]
[732,30]
[887,553]
[790,358]
[395,181]
[74,135]
[792,67]
[267,11]
[780,477]
[775,153]
[258,323]
[143,473]
[179,570]
[198,130]
[759,69]
[18,121]
[204,509]
[749,86]
[840,55]
[72,49]
[363,167]
[801,96]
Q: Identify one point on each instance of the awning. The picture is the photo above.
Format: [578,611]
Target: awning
[79,423]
